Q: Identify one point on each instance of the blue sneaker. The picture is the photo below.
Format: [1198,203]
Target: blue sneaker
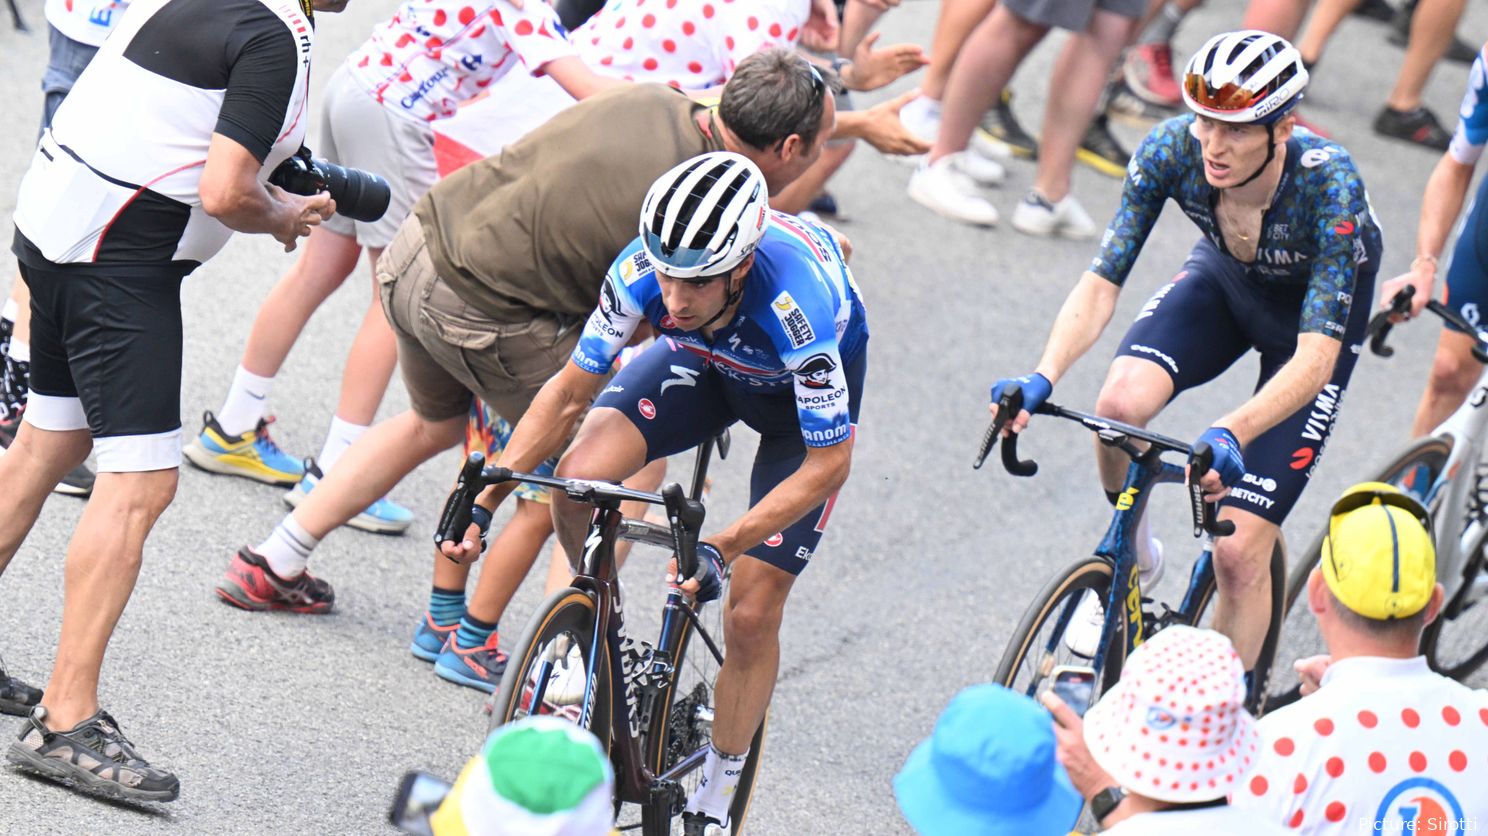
[381,517]
[252,455]
[429,639]
[476,667]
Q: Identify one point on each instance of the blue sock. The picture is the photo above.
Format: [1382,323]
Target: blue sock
[446,606]
[473,632]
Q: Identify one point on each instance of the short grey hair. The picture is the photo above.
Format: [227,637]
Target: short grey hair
[772,94]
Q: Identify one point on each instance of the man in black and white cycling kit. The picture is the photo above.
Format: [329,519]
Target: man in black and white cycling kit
[159,153]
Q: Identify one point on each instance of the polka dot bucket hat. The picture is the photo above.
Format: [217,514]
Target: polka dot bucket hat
[1175,727]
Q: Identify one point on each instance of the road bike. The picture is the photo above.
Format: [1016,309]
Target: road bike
[1038,650]
[650,705]
[1442,470]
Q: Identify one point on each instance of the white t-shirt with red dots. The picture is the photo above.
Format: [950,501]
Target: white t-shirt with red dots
[85,21]
[693,44]
[1385,746]
[434,54]
[1206,821]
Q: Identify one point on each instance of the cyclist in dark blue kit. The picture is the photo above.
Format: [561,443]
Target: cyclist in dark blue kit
[758,320]
[1286,266]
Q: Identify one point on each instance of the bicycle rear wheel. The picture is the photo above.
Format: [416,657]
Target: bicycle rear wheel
[682,720]
[555,651]
[1415,469]
[1037,645]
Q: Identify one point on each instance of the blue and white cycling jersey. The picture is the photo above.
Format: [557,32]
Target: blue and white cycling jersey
[800,320]
[1472,118]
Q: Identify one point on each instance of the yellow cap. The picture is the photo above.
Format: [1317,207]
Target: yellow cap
[1378,557]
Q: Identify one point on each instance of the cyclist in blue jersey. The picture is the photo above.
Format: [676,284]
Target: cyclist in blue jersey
[1285,265]
[1454,370]
[759,321]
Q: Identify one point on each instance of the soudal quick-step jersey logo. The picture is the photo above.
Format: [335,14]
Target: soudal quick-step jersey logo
[793,319]
[634,267]
[1421,805]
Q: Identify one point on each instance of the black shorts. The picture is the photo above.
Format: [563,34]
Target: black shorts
[106,357]
[678,401]
[1210,314]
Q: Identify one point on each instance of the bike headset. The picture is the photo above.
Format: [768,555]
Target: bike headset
[704,218]
[1247,77]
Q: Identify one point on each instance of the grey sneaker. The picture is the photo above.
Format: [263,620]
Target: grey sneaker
[16,697]
[93,756]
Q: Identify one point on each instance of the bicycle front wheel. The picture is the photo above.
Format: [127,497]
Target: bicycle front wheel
[1414,470]
[554,657]
[682,720]
[1038,644]
[1456,643]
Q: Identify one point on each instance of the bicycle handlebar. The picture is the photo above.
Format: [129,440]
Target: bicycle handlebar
[1380,324]
[1200,457]
[684,514]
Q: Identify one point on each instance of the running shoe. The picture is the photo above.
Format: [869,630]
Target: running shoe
[1001,125]
[1036,216]
[381,517]
[1375,10]
[1419,127]
[697,824]
[1101,151]
[824,205]
[16,697]
[77,482]
[429,638]
[252,455]
[252,585]
[476,667]
[94,756]
[942,187]
[1147,71]
[1128,107]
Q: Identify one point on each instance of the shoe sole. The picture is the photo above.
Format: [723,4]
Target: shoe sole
[1100,164]
[459,678]
[1055,232]
[79,779]
[239,599]
[422,654]
[204,460]
[361,522]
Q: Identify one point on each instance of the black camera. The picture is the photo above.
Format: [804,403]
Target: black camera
[359,195]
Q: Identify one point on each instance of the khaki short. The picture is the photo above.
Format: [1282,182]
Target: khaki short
[1073,15]
[448,350]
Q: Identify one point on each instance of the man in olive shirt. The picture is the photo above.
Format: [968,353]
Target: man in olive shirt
[489,281]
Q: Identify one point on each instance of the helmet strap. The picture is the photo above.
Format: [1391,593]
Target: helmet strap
[734,294]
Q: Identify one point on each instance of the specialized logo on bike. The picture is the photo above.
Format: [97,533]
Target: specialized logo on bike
[646,408]
[1479,397]
[793,320]
[1127,499]
[1421,805]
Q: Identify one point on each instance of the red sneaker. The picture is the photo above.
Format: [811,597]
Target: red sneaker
[252,585]
[1148,72]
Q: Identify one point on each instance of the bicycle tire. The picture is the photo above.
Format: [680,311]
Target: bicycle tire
[1300,637]
[1090,574]
[1469,628]
[672,734]
[1259,700]
[564,626]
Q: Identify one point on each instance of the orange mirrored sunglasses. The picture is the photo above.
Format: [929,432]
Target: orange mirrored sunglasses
[1231,97]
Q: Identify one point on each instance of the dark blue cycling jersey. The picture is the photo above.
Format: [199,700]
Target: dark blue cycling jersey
[1318,231]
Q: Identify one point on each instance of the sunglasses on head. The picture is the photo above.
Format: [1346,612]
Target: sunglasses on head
[1230,97]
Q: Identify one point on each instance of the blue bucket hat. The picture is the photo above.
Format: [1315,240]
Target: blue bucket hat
[988,768]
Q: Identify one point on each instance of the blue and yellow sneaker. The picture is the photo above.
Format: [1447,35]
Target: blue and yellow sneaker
[381,517]
[429,639]
[475,667]
[252,455]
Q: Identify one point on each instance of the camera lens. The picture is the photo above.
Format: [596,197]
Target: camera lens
[359,195]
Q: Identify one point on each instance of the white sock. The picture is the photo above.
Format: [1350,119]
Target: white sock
[245,402]
[340,436]
[288,548]
[10,311]
[19,351]
[1147,547]
[721,773]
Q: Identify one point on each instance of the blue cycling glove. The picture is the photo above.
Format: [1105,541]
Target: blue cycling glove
[1227,459]
[482,519]
[1036,389]
[709,574]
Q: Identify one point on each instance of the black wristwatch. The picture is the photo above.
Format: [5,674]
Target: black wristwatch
[1104,803]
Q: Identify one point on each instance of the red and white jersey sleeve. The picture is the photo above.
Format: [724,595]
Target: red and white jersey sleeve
[1384,746]
[694,44]
[434,54]
[85,21]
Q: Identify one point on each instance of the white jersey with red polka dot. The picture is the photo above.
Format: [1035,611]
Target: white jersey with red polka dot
[85,21]
[693,44]
[434,54]
[1385,746]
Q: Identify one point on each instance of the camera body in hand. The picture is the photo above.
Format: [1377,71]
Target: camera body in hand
[359,195]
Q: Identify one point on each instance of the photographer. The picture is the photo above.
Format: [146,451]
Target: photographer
[157,155]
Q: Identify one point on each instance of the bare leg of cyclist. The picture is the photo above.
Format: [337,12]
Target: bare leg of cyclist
[1135,391]
[1242,569]
[1453,373]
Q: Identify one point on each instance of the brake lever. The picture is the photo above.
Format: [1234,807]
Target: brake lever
[1012,395]
[1379,325]
[455,519]
[1205,514]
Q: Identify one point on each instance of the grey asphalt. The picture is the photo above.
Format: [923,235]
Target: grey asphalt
[282,723]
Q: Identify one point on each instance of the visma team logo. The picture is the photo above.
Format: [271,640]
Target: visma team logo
[1420,805]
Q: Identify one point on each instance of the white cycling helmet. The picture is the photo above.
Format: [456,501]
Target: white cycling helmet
[1249,77]
[705,216]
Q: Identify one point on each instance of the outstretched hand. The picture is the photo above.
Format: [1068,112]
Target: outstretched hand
[883,130]
[874,68]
